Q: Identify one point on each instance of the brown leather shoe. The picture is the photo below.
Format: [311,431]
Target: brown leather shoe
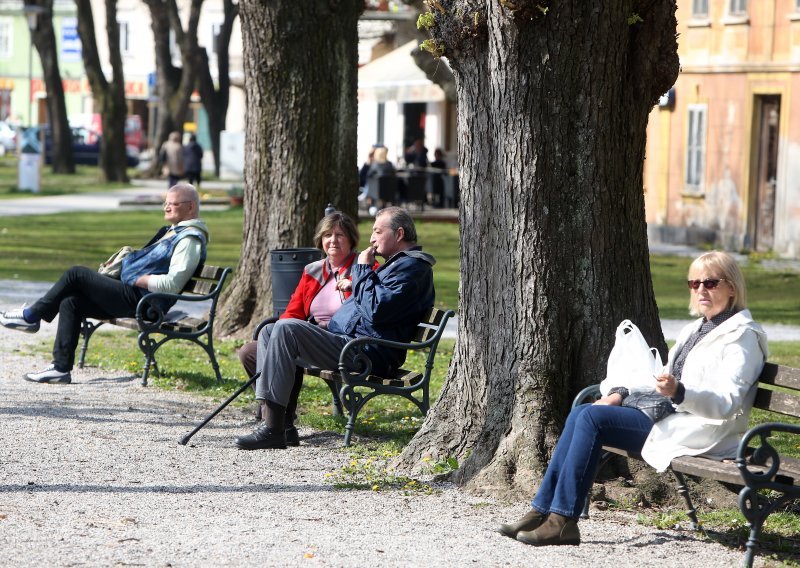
[555,530]
[530,521]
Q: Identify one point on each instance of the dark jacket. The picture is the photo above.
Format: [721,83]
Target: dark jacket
[387,303]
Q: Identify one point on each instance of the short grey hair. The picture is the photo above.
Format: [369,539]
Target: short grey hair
[399,218]
[189,192]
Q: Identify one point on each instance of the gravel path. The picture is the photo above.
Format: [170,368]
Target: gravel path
[91,474]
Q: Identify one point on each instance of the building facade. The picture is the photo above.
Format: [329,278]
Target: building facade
[723,144]
[22,91]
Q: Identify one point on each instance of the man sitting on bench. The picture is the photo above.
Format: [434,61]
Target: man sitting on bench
[387,303]
[165,264]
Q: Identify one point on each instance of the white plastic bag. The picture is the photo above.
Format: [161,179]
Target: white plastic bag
[632,363]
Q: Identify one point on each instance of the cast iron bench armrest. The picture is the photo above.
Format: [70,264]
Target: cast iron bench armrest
[764,455]
[261,325]
[363,361]
[151,316]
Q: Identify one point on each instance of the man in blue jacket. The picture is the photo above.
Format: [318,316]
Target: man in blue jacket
[165,264]
[387,303]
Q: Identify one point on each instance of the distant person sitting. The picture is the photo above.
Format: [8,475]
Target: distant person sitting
[437,179]
[165,264]
[416,155]
[193,161]
[382,167]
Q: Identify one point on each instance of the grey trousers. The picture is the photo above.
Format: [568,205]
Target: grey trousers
[287,344]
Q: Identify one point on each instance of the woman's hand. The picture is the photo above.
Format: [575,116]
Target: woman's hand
[666,385]
[610,400]
[344,285]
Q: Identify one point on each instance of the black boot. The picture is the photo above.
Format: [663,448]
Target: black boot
[270,433]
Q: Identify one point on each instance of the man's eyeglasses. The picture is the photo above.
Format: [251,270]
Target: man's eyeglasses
[172,203]
[709,283]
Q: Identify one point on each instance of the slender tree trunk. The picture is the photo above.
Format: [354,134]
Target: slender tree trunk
[300,63]
[109,95]
[553,109]
[45,41]
[174,84]
[216,99]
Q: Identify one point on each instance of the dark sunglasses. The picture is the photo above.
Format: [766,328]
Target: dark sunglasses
[709,283]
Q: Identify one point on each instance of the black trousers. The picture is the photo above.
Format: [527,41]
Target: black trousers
[82,292]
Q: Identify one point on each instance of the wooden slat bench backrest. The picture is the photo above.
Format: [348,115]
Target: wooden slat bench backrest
[428,326]
[204,281]
[783,396]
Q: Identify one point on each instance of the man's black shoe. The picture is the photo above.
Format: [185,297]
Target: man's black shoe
[262,438]
[292,436]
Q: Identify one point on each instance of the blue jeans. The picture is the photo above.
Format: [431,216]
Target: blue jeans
[572,468]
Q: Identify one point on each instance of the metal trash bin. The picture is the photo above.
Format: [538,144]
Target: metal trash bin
[287,268]
[29,174]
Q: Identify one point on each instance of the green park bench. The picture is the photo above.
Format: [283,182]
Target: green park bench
[156,327]
[356,387]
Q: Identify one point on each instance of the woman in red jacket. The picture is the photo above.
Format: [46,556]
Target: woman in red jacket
[324,286]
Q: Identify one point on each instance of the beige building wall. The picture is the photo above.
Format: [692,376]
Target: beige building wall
[739,73]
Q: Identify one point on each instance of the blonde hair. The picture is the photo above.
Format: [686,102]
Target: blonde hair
[380,154]
[723,266]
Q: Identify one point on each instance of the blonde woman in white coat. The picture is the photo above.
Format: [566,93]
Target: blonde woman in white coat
[706,393]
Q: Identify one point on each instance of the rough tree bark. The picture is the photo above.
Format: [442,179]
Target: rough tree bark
[553,102]
[109,95]
[45,41]
[174,84]
[300,64]
[216,99]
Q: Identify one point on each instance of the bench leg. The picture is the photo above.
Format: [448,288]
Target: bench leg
[683,490]
[209,347]
[148,347]
[337,403]
[353,401]
[87,329]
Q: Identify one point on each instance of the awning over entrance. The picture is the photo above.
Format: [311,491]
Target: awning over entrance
[395,77]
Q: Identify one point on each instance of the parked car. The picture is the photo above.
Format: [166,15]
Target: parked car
[8,138]
[85,146]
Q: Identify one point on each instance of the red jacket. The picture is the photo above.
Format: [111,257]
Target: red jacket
[315,274]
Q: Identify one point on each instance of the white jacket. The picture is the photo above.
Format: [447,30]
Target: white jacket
[719,375]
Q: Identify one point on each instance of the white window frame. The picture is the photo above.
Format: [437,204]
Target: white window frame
[737,8]
[696,129]
[700,9]
[124,37]
[215,29]
[6,37]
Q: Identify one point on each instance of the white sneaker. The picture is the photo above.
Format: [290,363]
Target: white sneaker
[49,375]
[13,319]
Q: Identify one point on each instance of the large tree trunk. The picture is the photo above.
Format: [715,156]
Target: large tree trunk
[45,41]
[300,63]
[553,111]
[109,95]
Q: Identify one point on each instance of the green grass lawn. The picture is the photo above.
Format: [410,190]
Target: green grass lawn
[41,247]
[85,180]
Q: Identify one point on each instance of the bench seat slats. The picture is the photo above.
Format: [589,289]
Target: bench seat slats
[726,471]
[401,378]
